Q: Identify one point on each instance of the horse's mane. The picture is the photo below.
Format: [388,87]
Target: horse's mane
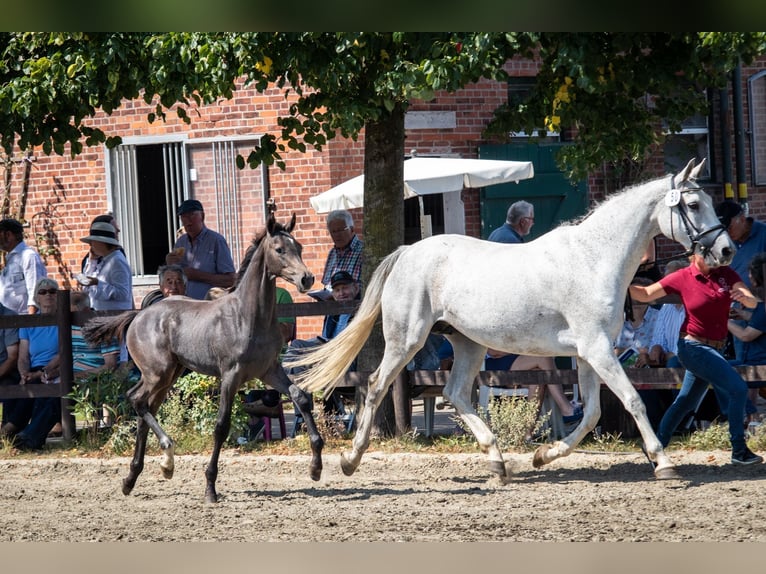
[610,198]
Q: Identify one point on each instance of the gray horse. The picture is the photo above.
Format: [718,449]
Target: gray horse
[561,294]
[235,338]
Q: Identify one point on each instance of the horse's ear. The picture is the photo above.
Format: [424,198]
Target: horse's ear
[684,175]
[271,223]
[697,170]
[289,227]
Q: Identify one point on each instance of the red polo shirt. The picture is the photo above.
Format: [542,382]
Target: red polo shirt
[706,299]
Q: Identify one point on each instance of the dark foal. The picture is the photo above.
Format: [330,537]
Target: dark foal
[235,338]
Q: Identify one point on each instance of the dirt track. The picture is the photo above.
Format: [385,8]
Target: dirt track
[392,497]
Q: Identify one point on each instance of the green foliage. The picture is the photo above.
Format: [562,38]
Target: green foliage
[514,421]
[100,394]
[614,90]
[715,437]
[192,408]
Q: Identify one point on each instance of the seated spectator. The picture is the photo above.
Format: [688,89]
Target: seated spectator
[9,374]
[87,360]
[344,288]
[38,363]
[637,332]
[172,280]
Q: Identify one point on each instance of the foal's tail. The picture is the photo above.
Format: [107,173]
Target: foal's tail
[107,328]
[329,362]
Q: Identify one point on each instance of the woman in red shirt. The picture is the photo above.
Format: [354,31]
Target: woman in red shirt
[706,294]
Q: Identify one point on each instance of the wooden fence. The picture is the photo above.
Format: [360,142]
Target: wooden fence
[408,385]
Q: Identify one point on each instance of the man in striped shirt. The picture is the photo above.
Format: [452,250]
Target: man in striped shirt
[346,253]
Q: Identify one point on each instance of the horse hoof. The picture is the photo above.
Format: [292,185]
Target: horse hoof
[211,498]
[347,468]
[315,473]
[167,473]
[666,473]
[498,467]
[538,459]
[127,488]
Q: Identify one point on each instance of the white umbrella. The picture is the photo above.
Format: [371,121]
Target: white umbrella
[428,175]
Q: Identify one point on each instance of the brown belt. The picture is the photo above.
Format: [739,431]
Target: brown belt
[716,344]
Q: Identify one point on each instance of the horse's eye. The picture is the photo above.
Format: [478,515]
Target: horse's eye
[694,206]
[279,250]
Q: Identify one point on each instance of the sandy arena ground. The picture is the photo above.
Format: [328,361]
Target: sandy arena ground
[391,497]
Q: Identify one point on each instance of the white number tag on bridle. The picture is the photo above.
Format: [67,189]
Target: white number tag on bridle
[673,197]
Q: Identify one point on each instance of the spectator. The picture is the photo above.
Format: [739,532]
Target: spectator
[344,288]
[346,252]
[752,335]
[109,282]
[706,294]
[23,269]
[638,330]
[519,220]
[87,360]
[9,374]
[202,252]
[85,265]
[172,280]
[39,363]
[749,236]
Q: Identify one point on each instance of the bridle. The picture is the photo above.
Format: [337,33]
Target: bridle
[705,239]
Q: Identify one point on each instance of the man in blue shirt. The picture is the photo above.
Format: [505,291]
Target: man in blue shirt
[203,253]
[518,223]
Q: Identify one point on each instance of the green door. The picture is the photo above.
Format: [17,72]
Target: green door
[555,198]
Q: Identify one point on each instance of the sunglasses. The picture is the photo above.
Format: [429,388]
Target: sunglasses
[47,291]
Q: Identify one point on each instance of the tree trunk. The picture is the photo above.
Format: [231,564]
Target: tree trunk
[383,229]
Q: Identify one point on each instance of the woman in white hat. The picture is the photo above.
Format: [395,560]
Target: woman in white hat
[108,279]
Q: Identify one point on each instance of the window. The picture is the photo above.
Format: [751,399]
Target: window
[147,183]
[756,93]
[690,142]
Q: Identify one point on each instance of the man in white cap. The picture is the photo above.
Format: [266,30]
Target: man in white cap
[203,253]
[23,269]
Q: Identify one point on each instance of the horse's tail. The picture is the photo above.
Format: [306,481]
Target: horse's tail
[329,362]
[107,328]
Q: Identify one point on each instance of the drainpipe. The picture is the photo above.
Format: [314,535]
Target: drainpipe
[728,190]
[739,135]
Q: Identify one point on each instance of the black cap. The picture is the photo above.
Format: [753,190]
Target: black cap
[727,210]
[341,277]
[189,205]
[11,225]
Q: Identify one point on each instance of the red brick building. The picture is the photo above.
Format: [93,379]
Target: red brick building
[161,163]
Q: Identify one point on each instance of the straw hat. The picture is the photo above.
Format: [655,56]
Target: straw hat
[104,232]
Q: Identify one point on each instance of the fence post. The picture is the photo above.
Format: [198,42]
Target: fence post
[64,323]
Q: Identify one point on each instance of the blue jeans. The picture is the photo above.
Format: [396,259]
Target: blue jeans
[704,365]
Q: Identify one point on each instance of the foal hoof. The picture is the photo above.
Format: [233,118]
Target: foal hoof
[127,487]
[315,472]
[538,459]
[347,468]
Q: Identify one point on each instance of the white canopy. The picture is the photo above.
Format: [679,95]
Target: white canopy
[428,175]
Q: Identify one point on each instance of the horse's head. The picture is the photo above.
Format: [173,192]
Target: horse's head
[283,255]
[689,218]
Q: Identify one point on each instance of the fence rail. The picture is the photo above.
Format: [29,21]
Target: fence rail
[408,385]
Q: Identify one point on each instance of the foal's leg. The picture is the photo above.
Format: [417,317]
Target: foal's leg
[277,379]
[468,360]
[230,383]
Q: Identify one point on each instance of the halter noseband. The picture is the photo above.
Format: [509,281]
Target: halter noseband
[704,239]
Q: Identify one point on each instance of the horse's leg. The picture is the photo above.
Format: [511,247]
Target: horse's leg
[230,383]
[137,464]
[608,369]
[468,359]
[278,379]
[589,390]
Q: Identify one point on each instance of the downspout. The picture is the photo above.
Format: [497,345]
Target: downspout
[739,135]
[728,190]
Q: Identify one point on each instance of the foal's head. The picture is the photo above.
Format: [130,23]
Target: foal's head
[282,254]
